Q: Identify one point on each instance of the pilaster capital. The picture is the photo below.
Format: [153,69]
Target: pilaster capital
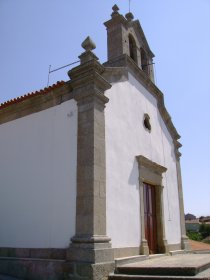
[87,81]
[90,95]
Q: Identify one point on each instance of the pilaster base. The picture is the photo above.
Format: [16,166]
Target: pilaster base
[185,245]
[90,248]
[88,271]
[91,253]
[89,258]
[164,247]
[144,248]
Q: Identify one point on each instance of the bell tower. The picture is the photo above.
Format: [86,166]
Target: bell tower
[126,37]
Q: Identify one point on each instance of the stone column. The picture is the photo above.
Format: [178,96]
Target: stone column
[163,242]
[184,239]
[90,245]
[144,248]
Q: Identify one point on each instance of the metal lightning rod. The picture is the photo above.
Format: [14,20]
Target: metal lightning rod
[51,71]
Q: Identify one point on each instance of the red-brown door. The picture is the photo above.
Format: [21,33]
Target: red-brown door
[150,217]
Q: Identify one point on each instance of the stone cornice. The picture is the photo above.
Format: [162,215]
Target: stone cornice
[177,145]
[138,29]
[36,102]
[118,19]
[115,74]
[92,64]
[87,80]
[145,162]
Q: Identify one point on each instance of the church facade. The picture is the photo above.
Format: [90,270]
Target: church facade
[90,168]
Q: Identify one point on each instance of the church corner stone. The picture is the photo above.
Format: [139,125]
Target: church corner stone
[90,253]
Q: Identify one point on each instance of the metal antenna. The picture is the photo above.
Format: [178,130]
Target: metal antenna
[51,71]
[48,80]
[129,6]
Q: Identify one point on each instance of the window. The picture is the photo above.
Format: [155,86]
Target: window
[132,48]
[146,122]
[144,61]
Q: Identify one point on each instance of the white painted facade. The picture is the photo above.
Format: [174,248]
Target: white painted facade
[126,138]
[39,162]
[38,178]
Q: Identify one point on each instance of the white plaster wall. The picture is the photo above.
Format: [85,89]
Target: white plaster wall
[126,138]
[38,178]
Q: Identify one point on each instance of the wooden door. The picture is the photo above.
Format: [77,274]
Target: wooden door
[150,217]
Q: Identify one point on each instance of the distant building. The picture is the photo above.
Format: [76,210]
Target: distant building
[189,217]
[90,168]
[204,219]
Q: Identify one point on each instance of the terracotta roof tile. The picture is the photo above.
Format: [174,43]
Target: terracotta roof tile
[32,94]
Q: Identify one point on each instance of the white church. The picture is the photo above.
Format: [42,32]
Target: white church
[90,168]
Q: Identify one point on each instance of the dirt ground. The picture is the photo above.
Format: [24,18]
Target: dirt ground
[198,246]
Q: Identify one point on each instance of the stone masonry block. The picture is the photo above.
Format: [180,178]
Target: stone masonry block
[87,271]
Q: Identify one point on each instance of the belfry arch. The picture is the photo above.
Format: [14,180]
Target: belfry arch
[132,48]
[125,36]
[144,61]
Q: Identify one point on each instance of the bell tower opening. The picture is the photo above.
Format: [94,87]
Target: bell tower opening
[132,48]
[144,61]
[125,37]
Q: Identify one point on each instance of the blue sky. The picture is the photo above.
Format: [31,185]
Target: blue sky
[37,33]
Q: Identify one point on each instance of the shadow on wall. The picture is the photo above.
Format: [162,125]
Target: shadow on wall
[133,179]
[168,137]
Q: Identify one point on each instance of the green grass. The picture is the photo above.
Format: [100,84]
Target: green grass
[194,235]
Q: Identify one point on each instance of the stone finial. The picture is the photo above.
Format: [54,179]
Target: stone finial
[88,55]
[88,44]
[129,16]
[115,9]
